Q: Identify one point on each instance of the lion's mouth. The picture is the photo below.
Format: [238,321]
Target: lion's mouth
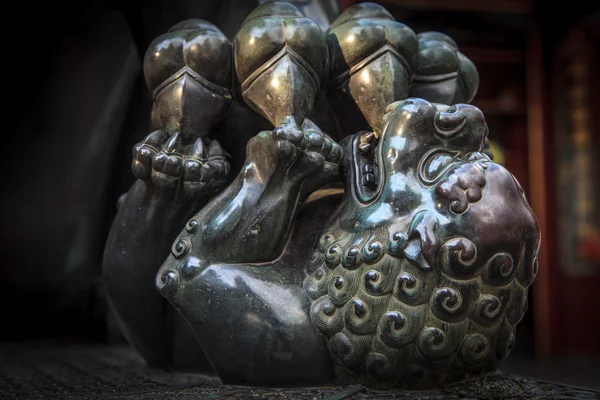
[366,168]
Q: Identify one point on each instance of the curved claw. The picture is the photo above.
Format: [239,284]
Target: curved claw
[167,164]
[317,162]
[217,159]
[205,168]
[368,141]
[313,141]
[308,125]
[194,163]
[289,131]
[144,152]
[198,150]
[327,146]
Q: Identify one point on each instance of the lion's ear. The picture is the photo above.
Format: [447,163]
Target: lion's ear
[462,127]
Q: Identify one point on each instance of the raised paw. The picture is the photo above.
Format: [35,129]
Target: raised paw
[463,186]
[314,157]
[320,152]
[199,169]
[296,155]
[144,152]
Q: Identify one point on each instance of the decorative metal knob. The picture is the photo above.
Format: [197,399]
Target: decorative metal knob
[373,59]
[280,59]
[188,69]
[444,74]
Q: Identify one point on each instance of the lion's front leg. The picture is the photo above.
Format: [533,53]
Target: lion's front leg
[178,169]
[253,319]
[250,221]
[167,193]
[226,275]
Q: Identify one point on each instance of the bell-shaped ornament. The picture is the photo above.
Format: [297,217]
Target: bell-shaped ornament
[280,60]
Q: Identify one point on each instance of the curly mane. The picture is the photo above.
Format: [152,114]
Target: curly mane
[394,316]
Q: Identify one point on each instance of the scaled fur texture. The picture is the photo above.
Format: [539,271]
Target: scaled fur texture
[414,303]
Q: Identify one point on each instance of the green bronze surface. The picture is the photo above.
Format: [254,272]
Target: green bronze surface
[390,252]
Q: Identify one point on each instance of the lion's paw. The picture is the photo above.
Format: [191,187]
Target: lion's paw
[297,155]
[462,186]
[200,168]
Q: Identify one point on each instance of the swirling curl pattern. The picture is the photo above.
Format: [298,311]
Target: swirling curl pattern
[374,302]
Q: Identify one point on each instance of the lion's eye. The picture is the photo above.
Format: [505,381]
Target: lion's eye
[436,164]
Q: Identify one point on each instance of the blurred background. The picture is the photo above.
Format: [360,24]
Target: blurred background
[77,103]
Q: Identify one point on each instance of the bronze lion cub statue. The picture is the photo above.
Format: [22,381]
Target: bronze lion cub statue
[395,256]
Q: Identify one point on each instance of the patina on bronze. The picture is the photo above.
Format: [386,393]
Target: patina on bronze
[178,169]
[399,256]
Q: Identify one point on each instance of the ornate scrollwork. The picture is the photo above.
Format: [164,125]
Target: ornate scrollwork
[434,344]
[333,256]
[192,226]
[474,348]
[448,304]
[325,241]
[500,269]
[396,242]
[343,285]
[181,248]
[359,318]
[410,289]
[345,351]
[457,258]
[315,285]
[351,258]
[488,310]
[372,251]
[378,283]
[396,330]
[435,164]
[326,316]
